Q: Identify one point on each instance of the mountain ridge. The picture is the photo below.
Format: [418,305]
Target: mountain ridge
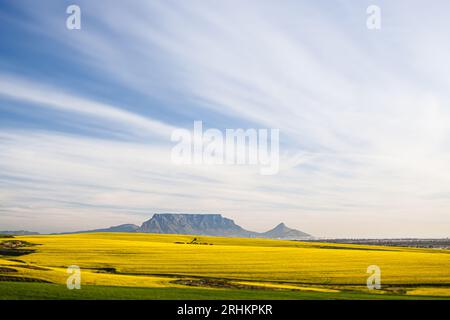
[127,227]
[194,224]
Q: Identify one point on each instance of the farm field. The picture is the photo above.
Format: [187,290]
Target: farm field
[150,266]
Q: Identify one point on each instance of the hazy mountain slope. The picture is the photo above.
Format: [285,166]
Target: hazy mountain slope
[19,233]
[119,228]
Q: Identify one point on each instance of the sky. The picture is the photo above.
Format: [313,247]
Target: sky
[86,116]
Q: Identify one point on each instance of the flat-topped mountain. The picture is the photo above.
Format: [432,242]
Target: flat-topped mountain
[211,225]
[202,224]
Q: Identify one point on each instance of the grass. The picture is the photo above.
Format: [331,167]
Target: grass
[38,291]
[120,265]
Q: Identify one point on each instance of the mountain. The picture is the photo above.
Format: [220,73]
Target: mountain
[19,233]
[212,225]
[281,231]
[201,224]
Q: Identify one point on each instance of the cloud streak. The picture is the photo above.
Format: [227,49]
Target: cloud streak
[364,117]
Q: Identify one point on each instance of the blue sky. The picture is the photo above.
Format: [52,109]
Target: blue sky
[86,115]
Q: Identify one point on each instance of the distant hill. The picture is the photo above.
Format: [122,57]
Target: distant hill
[19,233]
[281,231]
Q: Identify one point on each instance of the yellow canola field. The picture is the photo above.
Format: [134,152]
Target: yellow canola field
[148,260]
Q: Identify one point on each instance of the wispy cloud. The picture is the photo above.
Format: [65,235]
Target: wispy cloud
[52,97]
[364,116]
